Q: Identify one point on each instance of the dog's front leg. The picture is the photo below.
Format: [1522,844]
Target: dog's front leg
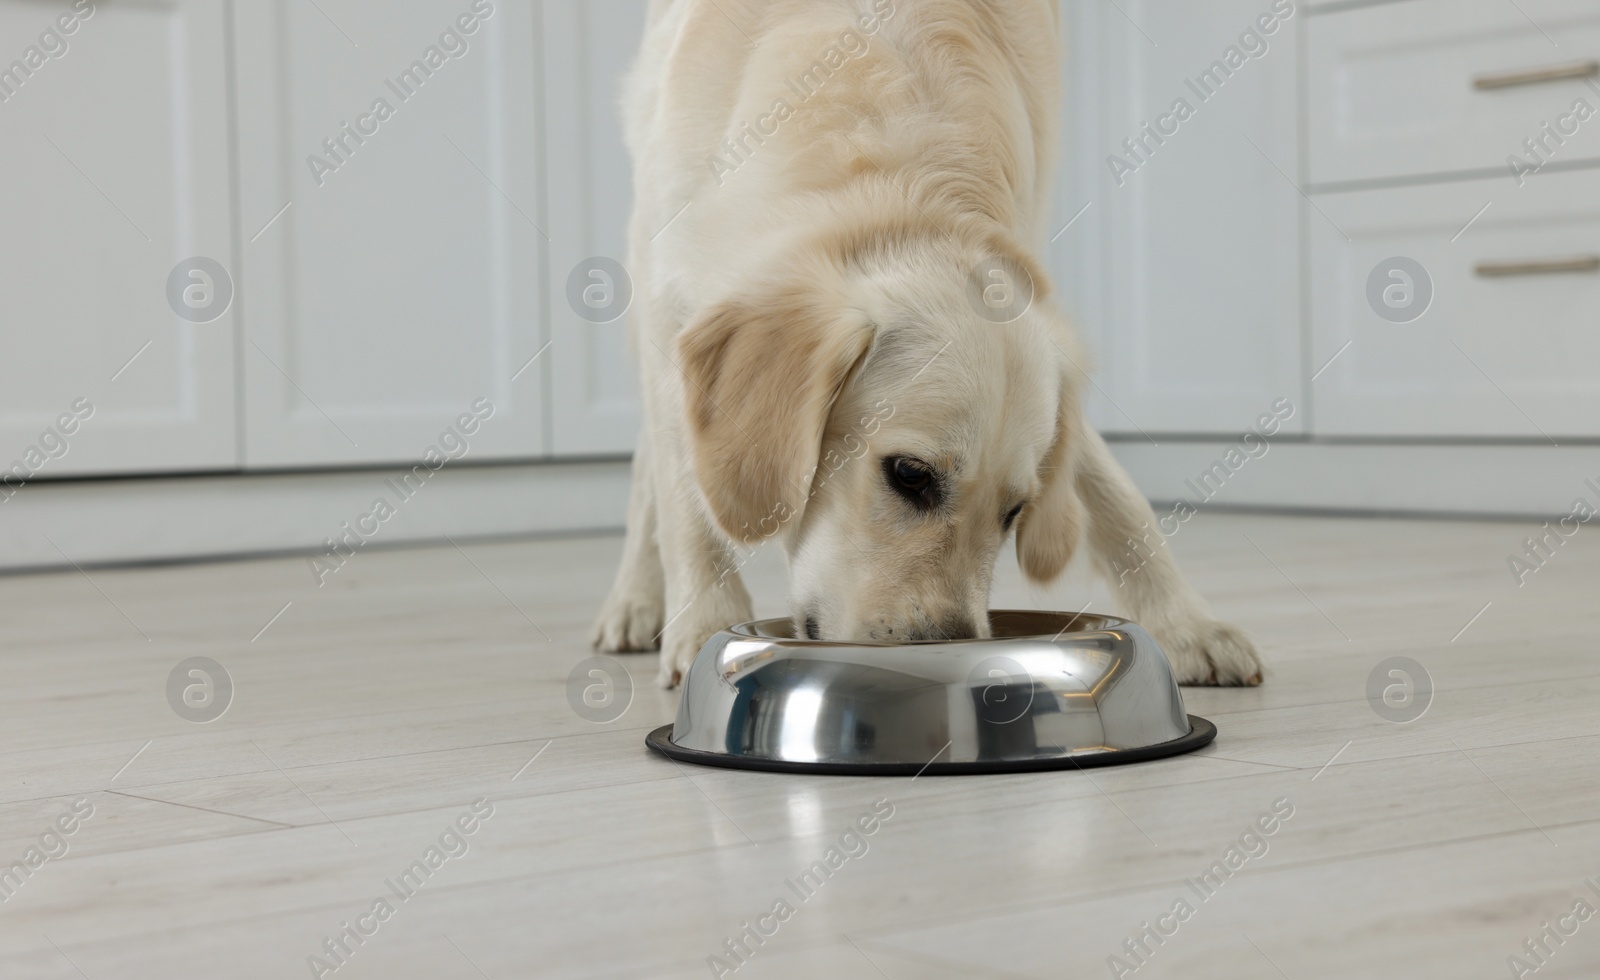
[703,588]
[1130,553]
[704,592]
[631,618]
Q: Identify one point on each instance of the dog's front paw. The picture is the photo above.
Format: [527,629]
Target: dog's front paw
[629,622]
[689,629]
[1212,653]
[677,653]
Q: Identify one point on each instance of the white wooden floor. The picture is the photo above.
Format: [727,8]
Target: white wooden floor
[369,715]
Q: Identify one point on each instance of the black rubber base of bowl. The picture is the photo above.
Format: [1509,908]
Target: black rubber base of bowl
[1201,732]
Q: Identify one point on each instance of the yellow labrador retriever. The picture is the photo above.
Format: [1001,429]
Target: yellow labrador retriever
[844,337]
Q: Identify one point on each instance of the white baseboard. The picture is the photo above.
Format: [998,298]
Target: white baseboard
[160,519]
[1477,480]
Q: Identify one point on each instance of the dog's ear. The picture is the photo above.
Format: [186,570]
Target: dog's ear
[1049,526]
[760,380]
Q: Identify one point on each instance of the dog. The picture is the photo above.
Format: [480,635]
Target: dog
[845,339]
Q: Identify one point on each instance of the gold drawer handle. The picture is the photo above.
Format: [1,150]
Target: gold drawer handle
[1539,267]
[1537,76]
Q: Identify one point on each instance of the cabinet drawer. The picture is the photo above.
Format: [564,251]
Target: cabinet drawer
[1508,344]
[1440,86]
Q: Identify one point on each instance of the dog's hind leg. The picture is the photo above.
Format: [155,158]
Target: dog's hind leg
[1130,552]
[631,617]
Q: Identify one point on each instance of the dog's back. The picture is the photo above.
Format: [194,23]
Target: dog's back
[736,103]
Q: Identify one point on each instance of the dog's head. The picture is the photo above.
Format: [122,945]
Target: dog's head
[892,433]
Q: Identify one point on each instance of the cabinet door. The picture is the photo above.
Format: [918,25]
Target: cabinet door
[1200,214]
[391,227]
[593,380]
[1072,249]
[114,143]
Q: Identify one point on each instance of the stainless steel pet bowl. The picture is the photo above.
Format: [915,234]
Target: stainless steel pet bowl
[1049,690]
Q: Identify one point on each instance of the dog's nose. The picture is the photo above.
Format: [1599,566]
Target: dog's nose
[955,626]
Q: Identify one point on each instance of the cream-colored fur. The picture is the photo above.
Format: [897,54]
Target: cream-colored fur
[823,190]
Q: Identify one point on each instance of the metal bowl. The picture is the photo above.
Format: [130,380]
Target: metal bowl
[1049,690]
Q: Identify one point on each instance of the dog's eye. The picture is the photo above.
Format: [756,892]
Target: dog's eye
[911,480]
[1010,518]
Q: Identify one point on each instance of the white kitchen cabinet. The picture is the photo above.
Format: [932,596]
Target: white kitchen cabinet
[1200,300]
[1451,297]
[446,252]
[593,381]
[115,152]
[391,230]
